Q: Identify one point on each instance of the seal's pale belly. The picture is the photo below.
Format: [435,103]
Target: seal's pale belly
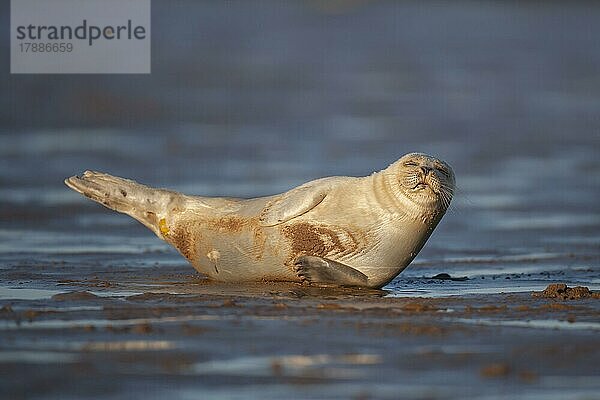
[229,247]
[234,248]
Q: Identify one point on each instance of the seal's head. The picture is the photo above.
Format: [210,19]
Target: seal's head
[423,180]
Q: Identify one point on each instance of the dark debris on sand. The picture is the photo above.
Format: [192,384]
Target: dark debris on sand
[561,291]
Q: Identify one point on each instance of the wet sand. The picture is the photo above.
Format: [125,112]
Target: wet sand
[172,334]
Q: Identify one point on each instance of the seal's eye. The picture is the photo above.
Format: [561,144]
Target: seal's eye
[410,164]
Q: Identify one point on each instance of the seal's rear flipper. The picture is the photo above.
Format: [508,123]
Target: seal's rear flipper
[146,204]
[322,270]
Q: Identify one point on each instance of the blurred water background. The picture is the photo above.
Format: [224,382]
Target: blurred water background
[253,98]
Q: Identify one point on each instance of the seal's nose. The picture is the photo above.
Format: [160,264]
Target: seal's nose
[425,170]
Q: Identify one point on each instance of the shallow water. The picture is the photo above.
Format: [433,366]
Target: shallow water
[267,98]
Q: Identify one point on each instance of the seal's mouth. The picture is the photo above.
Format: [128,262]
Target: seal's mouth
[425,186]
[425,181]
[420,185]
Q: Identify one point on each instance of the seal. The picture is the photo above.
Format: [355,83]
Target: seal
[346,231]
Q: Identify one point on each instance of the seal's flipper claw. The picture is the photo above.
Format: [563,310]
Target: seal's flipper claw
[315,269]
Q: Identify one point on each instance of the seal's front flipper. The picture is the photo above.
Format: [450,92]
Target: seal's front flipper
[298,201]
[315,269]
